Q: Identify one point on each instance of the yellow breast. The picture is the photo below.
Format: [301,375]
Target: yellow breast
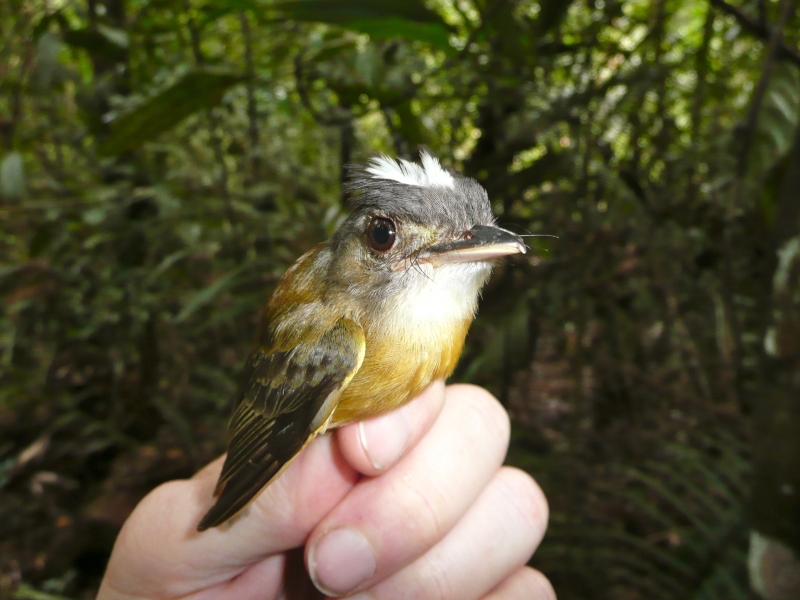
[415,338]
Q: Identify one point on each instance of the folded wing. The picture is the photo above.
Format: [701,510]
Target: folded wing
[286,398]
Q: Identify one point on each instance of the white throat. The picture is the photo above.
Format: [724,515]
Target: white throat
[438,295]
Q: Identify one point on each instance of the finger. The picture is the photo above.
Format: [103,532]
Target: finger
[159,551]
[494,539]
[523,584]
[387,522]
[374,445]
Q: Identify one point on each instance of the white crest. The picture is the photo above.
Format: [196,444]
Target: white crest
[429,174]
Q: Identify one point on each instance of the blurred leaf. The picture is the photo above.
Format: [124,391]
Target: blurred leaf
[196,90]
[28,592]
[777,121]
[409,20]
[429,33]
[346,12]
[207,294]
[508,342]
[165,264]
[12,177]
[47,49]
[102,40]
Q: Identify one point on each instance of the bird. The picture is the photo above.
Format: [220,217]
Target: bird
[363,323]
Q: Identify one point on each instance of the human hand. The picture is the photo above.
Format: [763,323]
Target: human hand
[434,516]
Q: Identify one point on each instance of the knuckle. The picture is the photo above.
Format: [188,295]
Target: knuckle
[489,412]
[539,584]
[425,504]
[434,584]
[524,494]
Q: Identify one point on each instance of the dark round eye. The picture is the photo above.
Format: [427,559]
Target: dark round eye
[381,234]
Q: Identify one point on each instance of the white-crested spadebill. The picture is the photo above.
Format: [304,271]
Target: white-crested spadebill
[365,322]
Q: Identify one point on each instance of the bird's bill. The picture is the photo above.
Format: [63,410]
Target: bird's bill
[482,242]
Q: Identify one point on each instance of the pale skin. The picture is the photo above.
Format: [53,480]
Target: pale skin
[410,505]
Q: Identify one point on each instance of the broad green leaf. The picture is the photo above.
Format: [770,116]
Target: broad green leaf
[344,12]
[430,33]
[410,20]
[196,90]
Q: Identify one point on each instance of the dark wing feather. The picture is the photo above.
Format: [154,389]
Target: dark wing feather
[286,398]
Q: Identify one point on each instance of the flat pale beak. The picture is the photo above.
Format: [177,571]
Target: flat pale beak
[482,242]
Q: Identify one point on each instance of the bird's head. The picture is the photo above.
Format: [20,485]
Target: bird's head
[416,221]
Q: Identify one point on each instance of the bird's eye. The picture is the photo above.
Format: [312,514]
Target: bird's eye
[381,233]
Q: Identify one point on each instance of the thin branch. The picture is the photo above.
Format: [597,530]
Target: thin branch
[398,141]
[194,35]
[8,129]
[701,68]
[762,13]
[252,109]
[346,140]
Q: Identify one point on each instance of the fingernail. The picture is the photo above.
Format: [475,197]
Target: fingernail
[340,561]
[384,438]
